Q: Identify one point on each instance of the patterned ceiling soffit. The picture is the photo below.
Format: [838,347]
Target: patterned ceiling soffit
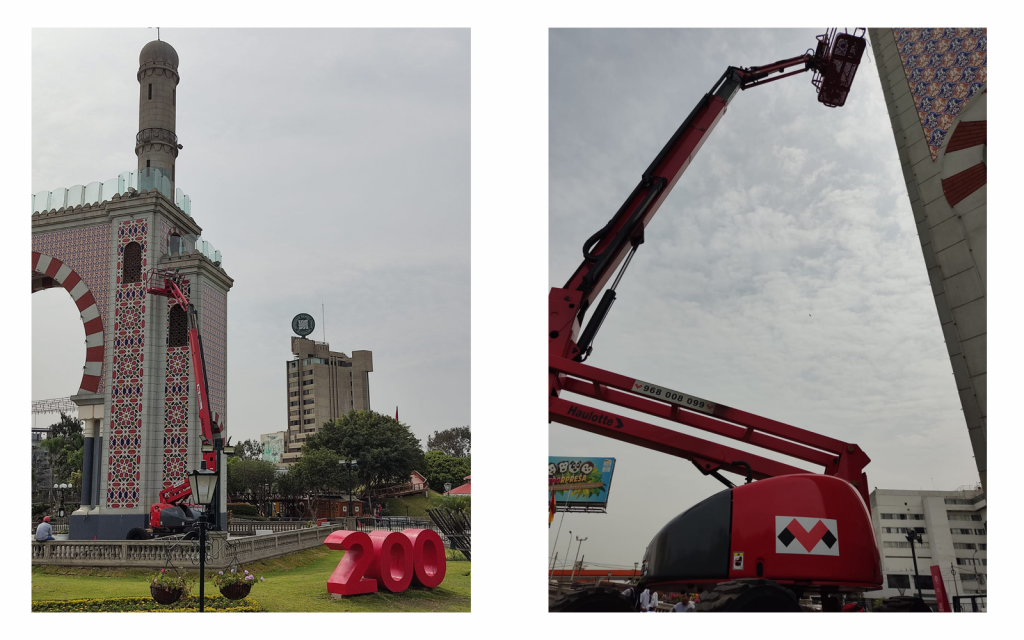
[945,68]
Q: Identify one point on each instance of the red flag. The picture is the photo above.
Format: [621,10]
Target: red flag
[551,509]
[940,589]
[396,413]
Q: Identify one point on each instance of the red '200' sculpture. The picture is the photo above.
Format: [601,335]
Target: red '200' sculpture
[389,558]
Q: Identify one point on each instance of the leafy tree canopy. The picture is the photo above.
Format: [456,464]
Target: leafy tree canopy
[386,451]
[249,450]
[441,468]
[452,442]
[66,448]
[247,476]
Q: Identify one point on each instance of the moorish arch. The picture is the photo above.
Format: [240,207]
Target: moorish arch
[49,272]
[137,396]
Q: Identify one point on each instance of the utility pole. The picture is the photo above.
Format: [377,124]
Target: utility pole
[581,541]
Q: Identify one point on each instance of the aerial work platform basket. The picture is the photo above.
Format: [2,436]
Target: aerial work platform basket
[837,58]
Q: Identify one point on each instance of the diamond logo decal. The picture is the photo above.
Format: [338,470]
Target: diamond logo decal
[806,536]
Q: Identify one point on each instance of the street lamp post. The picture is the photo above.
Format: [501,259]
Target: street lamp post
[62,487]
[572,576]
[447,487]
[349,464]
[204,489]
[912,537]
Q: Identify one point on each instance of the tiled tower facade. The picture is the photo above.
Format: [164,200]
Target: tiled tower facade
[935,87]
[137,395]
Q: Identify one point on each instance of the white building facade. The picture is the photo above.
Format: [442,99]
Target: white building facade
[952,525]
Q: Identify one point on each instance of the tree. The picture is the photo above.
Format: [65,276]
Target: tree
[456,504]
[386,450]
[319,472]
[441,468]
[452,442]
[249,450]
[65,448]
[252,478]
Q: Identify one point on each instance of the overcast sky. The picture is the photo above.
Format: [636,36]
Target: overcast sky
[326,165]
[783,275]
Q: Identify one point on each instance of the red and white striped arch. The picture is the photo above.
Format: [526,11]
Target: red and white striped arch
[49,272]
[962,157]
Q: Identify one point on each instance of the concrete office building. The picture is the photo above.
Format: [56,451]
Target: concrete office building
[952,525]
[323,385]
[935,87]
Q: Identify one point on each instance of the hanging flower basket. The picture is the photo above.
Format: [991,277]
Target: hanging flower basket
[164,595]
[234,584]
[235,591]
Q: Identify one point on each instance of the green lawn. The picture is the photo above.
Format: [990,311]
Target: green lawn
[297,582]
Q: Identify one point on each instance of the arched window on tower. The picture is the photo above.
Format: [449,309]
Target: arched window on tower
[174,244]
[132,263]
[177,332]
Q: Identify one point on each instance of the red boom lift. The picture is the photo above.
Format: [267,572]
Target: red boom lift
[173,515]
[760,545]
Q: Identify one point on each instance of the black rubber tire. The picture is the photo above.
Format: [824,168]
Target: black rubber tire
[592,599]
[748,595]
[138,533]
[191,535]
[903,604]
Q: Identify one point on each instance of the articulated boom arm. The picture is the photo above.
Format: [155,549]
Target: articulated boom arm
[614,245]
[169,284]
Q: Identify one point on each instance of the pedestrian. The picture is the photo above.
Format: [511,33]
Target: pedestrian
[654,601]
[683,605]
[645,600]
[44,531]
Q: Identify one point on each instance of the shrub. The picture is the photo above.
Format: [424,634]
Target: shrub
[243,509]
[145,604]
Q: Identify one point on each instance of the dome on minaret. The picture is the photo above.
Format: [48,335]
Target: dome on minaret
[159,50]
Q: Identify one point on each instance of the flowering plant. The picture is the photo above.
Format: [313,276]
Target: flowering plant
[233,576]
[171,580]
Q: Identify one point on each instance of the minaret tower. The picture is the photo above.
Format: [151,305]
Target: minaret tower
[156,144]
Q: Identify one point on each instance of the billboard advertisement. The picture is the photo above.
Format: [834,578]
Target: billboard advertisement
[580,484]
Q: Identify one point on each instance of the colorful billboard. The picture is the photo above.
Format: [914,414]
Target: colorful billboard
[580,484]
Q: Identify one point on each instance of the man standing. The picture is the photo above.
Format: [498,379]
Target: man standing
[654,601]
[645,600]
[44,531]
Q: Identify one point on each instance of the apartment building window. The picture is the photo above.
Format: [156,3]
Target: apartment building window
[924,582]
[308,421]
[902,516]
[294,410]
[982,546]
[964,545]
[897,581]
[956,515]
[979,532]
[903,529]
[961,532]
[305,382]
[293,422]
[307,392]
[293,374]
[970,562]
[958,501]
[307,412]
[292,394]
[309,401]
[307,372]
[968,577]
[292,364]
[890,544]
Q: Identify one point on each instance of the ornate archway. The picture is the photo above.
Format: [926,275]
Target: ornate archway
[49,272]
